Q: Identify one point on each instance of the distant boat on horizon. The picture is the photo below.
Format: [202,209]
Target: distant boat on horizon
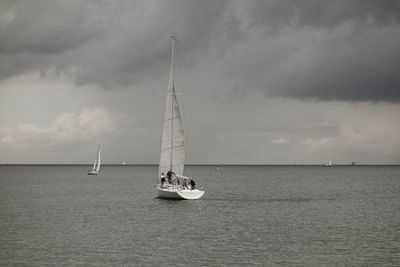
[123,163]
[96,166]
[329,164]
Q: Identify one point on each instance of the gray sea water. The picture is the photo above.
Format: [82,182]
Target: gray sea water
[249,215]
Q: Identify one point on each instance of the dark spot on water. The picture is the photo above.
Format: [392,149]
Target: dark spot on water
[290,200]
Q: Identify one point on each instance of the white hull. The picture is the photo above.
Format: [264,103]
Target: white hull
[173,192]
[93,172]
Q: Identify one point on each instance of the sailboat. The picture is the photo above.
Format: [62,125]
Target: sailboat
[329,164]
[96,166]
[172,156]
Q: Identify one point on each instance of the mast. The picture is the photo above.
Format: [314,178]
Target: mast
[172,92]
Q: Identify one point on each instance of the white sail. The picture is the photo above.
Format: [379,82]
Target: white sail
[173,139]
[98,159]
[95,169]
[94,165]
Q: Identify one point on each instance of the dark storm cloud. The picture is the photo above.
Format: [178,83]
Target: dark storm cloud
[322,13]
[106,43]
[47,27]
[318,64]
[37,35]
[325,50]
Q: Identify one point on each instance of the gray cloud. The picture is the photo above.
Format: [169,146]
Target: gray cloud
[322,13]
[48,27]
[324,50]
[67,129]
[340,64]
[111,45]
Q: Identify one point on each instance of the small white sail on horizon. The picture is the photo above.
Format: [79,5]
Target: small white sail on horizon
[96,166]
[329,164]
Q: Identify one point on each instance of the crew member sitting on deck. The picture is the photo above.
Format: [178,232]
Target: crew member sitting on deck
[184,185]
[162,180]
[169,176]
[192,184]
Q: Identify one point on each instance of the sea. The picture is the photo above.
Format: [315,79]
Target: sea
[57,215]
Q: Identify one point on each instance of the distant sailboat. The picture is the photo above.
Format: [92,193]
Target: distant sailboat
[172,156]
[329,164]
[96,166]
[123,163]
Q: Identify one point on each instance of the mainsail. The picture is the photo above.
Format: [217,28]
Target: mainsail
[173,139]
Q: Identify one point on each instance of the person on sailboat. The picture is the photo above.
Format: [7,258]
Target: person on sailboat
[162,179]
[192,184]
[169,176]
[184,184]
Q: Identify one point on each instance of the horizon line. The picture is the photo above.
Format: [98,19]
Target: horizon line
[205,164]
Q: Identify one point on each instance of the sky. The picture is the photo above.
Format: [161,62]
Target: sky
[259,82]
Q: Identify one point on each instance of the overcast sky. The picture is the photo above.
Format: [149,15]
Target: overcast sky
[275,82]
